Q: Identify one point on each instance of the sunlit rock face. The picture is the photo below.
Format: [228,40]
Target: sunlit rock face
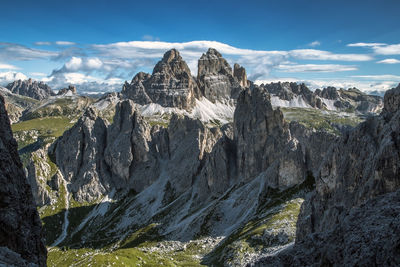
[171,84]
[215,77]
[34,89]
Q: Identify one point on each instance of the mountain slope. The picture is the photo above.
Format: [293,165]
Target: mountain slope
[355,207]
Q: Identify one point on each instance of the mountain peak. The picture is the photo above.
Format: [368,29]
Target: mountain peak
[170,55]
[31,88]
[392,100]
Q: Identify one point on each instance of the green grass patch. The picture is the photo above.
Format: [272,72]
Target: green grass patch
[321,120]
[54,126]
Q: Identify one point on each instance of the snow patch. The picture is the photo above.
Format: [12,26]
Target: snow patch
[296,102]
[203,110]
[330,103]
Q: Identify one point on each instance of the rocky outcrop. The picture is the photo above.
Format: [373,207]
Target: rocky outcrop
[392,100]
[215,77]
[70,90]
[240,74]
[171,84]
[39,171]
[16,104]
[291,94]
[289,91]
[34,89]
[128,149]
[136,89]
[20,226]
[355,207]
[264,141]
[351,99]
[79,156]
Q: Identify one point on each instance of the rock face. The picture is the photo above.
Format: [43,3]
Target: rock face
[355,207]
[79,156]
[291,94]
[170,85]
[240,74]
[16,104]
[215,77]
[290,91]
[34,89]
[392,100]
[20,226]
[351,99]
[264,141]
[71,89]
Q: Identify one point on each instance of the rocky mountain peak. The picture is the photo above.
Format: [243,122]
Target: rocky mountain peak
[140,77]
[170,85]
[171,55]
[392,100]
[71,89]
[215,77]
[239,73]
[31,88]
[173,64]
[212,63]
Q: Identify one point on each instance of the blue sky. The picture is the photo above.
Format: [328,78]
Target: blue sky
[99,44]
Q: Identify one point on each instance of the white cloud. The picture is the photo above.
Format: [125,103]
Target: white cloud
[94,63]
[74,64]
[313,54]
[10,51]
[314,44]
[37,74]
[365,44]
[8,67]
[315,68]
[9,76]
[389,61]
[64,43]
[388,49]
[379,77]
[42,43]
[79,64]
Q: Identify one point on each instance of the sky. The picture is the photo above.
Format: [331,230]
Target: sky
[97,45]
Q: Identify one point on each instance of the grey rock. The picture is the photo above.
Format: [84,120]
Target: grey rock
[34,89]
[240,74]
[354,208]
[79,156]
[128,149]
[215,77]
[20,226]
[9,258]
[289,90]
[392,100]
[264,141]
[170,85]
[70,88]
[38,171]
